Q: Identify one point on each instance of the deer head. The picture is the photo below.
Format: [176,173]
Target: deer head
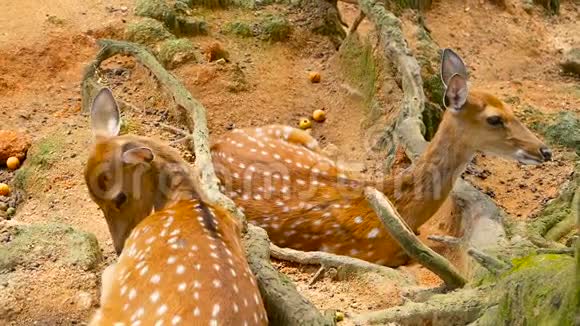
[487,123]
[129,176]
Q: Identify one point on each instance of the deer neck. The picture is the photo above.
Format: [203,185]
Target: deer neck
[171,183]
[421,190]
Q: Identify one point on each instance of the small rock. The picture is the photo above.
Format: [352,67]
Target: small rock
[571,61]
[11,211]
[3,206]
[84,300]
[13,143]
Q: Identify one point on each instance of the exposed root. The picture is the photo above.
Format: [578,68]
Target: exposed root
[317,276]
[490,263]
[457,308]
[345,266]
[563,251]
[409,241]
[359,18]
[446,239]
[283,302]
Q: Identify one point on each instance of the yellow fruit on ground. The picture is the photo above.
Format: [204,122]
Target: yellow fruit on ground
[314,77]
[319,115]
[305,123]
[4,189]
[13,163]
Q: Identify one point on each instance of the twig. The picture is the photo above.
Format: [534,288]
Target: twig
[490,263]
[284,304]
[345,265]
[359,18]
[319,273]
[445,239]
[409,241]
[175,130]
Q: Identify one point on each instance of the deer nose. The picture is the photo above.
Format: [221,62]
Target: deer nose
[546,153]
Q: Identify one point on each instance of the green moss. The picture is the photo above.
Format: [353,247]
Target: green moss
[41,156]
[147,32]
[275,28]
[538,290]
[156,9]
[565,131]
[358,66]
[173,53]
[34,243]
[238,28]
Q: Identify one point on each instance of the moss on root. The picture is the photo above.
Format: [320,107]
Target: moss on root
[32,244]
[147,31]
[41,156]
[530,294]
[173,53]
[357,64]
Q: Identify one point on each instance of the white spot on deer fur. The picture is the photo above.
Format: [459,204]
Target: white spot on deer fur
[289,161]
[216,267]
[300,182]
[354,252]
[327,214]
[154,296]
[196,284]
[196,311]
[144,270]
[198,267]
[216,310]
[155,279]
[217,283]
[276,176]
[180,269]
[175,320]
[236,308]
[373,233]
[284,189]
[162,309]
[236,175]
[150,240]
[257,197]
[175,232]
[196,295]
[132,294]
[242,165]
[172,240]
[236,289]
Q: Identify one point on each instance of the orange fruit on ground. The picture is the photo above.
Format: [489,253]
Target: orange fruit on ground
[314,77]
[305,123]
[13,163]
[319,115]
[4,189]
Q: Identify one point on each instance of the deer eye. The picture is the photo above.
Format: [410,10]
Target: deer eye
[495,121]
[120,199]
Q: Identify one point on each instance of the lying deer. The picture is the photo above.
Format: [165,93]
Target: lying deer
[183,264]
[303,199]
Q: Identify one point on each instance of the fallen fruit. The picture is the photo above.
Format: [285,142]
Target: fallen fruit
[4,189]
[314,77]
[13,163]
[319,115]
[305,123]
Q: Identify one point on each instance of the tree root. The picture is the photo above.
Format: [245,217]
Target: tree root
[284,304]
[490,263]
[456,308]
[409,241]
[345,266]
[359,18]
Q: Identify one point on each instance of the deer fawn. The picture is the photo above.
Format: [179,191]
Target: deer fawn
[183,264]
[305,201]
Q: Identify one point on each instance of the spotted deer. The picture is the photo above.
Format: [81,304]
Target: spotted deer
[181,260]
[305,201]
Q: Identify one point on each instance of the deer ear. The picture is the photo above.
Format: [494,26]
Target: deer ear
[455,93]
[451,64]
[105,116]
[138,155]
